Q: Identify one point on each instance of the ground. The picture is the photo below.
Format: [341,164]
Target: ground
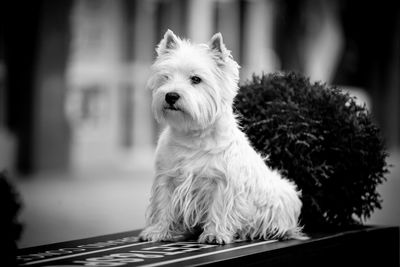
[61,207]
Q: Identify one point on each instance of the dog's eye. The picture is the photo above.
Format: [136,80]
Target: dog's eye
[195,79]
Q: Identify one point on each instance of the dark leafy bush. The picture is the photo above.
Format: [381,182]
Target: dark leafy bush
[317,136]
[10,228]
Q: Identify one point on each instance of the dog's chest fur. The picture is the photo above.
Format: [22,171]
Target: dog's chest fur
[205,160]
[200,169]
[195,176]
[195,183]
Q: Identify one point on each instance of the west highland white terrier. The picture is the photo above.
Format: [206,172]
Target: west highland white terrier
[209,181]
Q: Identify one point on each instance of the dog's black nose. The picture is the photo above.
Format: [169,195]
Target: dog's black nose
[171,98]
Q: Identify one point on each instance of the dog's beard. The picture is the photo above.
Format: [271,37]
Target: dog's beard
[176,116]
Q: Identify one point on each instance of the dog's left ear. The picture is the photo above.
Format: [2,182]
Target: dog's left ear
[169,42]
[217,45]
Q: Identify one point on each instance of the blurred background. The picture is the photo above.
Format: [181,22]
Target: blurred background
[76,129]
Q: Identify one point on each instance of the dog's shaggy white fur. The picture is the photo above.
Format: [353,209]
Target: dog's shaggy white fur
[209,180]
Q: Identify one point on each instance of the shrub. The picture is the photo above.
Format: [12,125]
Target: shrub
[317,136]
[10,228]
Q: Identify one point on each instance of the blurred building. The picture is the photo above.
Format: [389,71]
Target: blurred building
[83,87]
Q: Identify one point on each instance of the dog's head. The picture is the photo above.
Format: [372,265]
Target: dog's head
[192,84]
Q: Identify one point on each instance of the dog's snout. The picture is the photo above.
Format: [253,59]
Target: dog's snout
[171,98]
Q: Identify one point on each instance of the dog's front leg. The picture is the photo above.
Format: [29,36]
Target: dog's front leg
[159,225]
[218,228]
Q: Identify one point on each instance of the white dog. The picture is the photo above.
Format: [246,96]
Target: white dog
[209,180]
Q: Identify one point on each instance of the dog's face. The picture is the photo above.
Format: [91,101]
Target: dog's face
[192,84]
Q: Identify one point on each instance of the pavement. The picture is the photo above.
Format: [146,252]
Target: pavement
[66,206]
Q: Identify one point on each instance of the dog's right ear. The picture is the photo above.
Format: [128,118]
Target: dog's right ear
[169,42]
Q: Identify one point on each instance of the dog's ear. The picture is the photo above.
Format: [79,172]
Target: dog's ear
[217,45]
[169,42]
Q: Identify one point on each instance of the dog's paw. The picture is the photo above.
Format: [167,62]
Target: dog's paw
[154,234]
[214,238]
